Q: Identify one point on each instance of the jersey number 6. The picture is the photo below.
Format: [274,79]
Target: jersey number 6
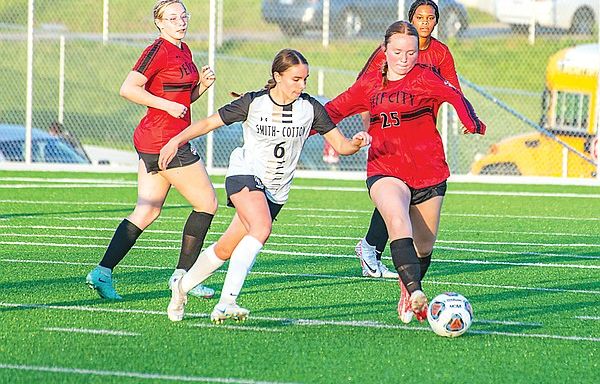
[279,151]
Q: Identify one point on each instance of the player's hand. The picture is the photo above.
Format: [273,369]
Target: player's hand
[177,110]
[207,76]
[167,153]
[361,139]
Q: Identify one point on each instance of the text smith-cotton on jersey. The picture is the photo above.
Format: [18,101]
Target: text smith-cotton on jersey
[172,75]
[406,143]
[436,56]
[273,138]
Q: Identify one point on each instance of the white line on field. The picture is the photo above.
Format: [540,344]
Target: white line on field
[75,182]
[588,317]
[319,276]
[132,204]
[311,254]
[317,245]
[136,375]
[92,331]
[236,327]
[301,322]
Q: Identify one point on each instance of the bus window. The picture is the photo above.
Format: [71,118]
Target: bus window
[571,111]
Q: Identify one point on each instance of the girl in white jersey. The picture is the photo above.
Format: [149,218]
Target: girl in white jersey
[276,122]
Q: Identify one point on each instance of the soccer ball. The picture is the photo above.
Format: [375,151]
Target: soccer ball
[450,314]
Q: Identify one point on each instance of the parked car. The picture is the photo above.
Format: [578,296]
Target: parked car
[45,148]
[227,138]
[575,16]
[350,18]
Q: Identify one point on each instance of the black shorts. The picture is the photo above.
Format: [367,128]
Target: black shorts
[417,196]
[185,155]
[234,184]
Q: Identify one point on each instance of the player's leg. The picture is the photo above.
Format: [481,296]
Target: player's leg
[253,212]
[152,192]
[392,197]
[193,183]
[425,218]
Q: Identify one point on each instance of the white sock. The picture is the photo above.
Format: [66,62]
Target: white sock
[240,264]
[203,268]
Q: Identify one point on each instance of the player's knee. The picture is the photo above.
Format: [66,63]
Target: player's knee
[261,231]
[146,214]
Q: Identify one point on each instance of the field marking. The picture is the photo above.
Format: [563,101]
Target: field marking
[236,327]
[136,375]
[321,276]
[316,245]
[92,331]
[588,317]
[94,183]
[312,254]
[304,322]
[132,204]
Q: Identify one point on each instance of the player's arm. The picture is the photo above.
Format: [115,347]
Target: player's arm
[207,78]
[199,128]
[133,89]
[448,70]
[345,146]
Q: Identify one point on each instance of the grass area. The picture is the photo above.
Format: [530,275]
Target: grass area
[526,257]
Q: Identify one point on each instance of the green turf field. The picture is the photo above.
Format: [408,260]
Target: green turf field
[527,257]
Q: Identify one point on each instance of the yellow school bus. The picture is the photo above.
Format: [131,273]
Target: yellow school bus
[566,143]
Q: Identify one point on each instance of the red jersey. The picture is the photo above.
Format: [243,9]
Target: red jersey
[437,56]
[172,75]
[406,143]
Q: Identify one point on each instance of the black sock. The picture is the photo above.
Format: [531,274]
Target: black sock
[406,263]
[122,241]
[194,232]
[425,262]
[377,234]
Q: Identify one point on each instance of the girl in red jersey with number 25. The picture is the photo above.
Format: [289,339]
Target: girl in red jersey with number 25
[166,80]
[406,166]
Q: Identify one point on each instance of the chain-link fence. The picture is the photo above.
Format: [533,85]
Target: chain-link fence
[532,78]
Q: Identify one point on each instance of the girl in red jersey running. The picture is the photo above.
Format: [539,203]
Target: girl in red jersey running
[424,15]
[166,80]
[406,166]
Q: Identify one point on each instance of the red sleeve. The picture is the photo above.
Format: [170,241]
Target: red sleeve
[442,90]
[448,70]
[350,102]
[152,60]
[374,63]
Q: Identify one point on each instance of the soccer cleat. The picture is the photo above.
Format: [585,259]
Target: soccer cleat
[199,290]
[102,282]
[418,303]
[223,311]
[385,272]
[176,307]
[368,259]
[405,312]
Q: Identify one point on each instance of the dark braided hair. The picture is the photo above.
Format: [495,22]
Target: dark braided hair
[418,3]
[402,27]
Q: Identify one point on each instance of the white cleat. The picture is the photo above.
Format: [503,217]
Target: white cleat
[176,308]
[223,311]
[385,272]
[368,259]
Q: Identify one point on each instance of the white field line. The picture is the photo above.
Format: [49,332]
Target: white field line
[236,327]
[70,182]
[92,331]
[319,210]
[312,254]
[302,322]
[323,276]
[588,317]
[316,245]
[134,375]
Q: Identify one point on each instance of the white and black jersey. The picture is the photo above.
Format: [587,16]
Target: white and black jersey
[273,137]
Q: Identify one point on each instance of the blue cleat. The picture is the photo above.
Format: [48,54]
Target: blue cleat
[101,280]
